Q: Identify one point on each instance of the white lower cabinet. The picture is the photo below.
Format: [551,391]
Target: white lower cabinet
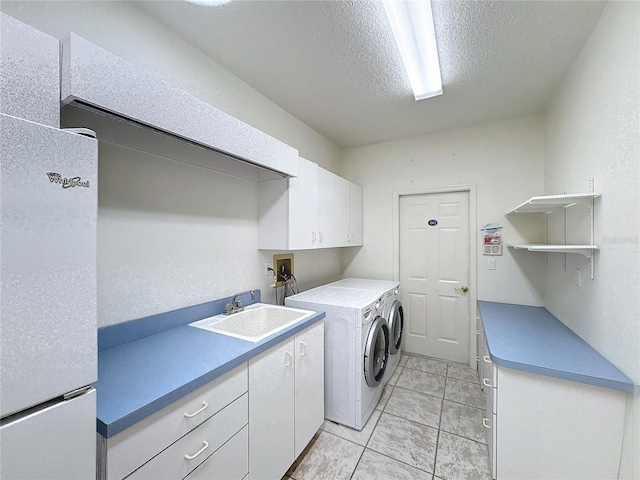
[172,442]
[251,422]
[489,385]
[541,427]
[548,428]
[271,407]
[286,402]
[309,385]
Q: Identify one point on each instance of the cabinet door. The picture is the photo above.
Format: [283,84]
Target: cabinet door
[309,388]
[333,210]
[271,408]
[356,214]
[303,207]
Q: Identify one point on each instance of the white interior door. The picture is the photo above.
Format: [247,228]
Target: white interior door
[434,272]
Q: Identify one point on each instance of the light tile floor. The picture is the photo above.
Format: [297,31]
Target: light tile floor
[427,425]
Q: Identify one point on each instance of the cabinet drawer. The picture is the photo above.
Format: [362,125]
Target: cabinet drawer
[490,390]
[182,457]
[479,350]
[491,433]
[136,445]
[229,462]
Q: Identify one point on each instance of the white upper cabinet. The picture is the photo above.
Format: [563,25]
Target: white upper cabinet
[119,94]
[316,209]
[333,210]
[355,237]
[303,206]
[30,67]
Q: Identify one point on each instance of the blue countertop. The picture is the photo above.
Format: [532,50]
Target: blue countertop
[531,339]
[139,375]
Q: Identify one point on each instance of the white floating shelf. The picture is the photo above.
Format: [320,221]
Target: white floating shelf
[585,250]
[550,203]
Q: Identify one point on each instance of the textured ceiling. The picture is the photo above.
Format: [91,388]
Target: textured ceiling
[335,66]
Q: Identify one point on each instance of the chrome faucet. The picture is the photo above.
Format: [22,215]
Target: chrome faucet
[236,305]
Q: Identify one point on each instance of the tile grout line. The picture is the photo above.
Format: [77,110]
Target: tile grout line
[412,421]
[393,387]
[398,416]
[435,457]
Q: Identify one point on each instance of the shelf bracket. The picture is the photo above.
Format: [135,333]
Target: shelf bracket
[592,219]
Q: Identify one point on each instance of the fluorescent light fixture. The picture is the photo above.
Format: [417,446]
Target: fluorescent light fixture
[209,3]
[412,25]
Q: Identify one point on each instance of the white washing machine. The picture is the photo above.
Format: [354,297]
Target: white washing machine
[393,313]
[356,350]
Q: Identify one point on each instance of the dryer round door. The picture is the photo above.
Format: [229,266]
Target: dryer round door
[376,352]
[396,327]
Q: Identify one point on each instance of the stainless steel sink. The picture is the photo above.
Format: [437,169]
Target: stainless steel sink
[256,322]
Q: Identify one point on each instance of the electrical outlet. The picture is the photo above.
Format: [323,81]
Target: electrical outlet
[267,266]
[491,263]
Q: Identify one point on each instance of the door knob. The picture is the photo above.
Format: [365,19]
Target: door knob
[463,289]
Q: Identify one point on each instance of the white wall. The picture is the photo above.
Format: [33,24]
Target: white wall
[170,234]
[504,161]
[592,131]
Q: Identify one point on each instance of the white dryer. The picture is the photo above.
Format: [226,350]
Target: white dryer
[389,291]
[356,350]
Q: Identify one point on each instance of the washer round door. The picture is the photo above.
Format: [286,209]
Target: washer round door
[396,327]
[376,352]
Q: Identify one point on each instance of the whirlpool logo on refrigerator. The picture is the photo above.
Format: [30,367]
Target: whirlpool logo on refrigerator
[67,182]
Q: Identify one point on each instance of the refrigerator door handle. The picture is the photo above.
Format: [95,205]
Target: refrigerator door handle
[77,392]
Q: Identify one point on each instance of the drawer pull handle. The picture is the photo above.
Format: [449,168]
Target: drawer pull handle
[486,382]
[487,358]
[191,415]
[303,349]
[485,422]
[205,446]
[478,332]
[288,359]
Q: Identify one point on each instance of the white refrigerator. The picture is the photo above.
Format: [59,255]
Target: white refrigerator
[48,337]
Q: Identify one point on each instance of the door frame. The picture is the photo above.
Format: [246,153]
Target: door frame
[473,249]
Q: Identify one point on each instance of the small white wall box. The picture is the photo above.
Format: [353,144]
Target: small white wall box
[491,239]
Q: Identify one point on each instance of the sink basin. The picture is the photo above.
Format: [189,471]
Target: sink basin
[256,322]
